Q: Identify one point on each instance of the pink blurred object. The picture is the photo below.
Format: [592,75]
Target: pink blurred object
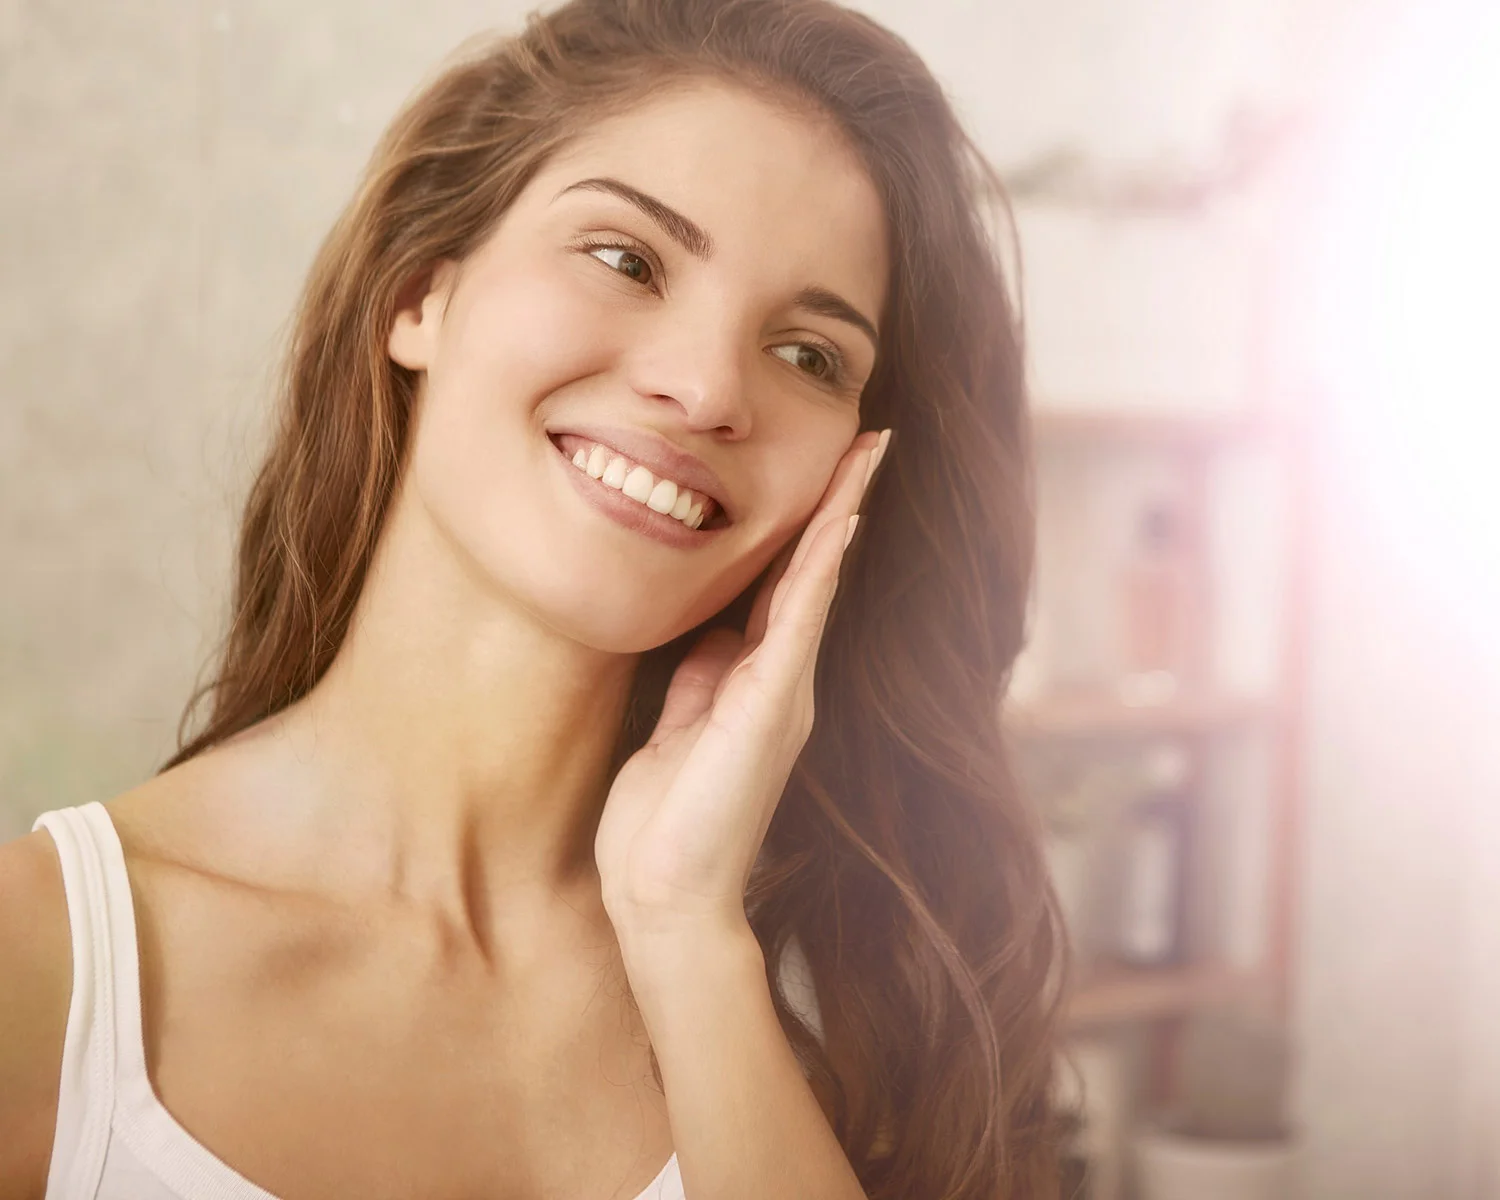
[1156,606]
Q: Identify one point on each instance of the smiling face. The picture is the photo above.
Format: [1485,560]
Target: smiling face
[693,288]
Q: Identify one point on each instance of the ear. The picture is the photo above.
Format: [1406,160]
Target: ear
[420,305]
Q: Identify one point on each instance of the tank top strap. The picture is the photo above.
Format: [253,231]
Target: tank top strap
[102,1043]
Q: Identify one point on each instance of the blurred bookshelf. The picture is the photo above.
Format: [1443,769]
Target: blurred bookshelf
[1123,994]
[1092,713]
[1141,424]
[1077,716]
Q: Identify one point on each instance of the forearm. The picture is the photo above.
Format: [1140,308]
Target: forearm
[745,1122]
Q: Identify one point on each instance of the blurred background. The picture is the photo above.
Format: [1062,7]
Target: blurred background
[1260,706]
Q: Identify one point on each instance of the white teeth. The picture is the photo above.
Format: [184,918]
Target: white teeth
[663,497]
[638,484]
[659,495]
[614,474]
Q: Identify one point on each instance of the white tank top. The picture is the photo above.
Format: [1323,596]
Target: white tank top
[115,1140]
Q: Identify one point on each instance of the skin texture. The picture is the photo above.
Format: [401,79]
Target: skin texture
[378,912]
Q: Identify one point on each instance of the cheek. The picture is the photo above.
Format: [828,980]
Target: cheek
[802,473]
[796,478]
[523,334]
[531,330]
[478,451]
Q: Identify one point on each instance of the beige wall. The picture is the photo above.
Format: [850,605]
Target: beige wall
[169,168]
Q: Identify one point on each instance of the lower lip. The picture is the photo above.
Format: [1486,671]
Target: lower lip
[631,513]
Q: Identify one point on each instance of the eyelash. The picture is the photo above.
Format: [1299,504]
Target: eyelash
[835,377]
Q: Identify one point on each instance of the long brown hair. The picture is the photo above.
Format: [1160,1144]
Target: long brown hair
[902,856]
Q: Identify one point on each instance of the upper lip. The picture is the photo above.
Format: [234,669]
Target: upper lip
[657,455]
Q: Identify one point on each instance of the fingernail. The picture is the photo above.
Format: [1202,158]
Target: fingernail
[849,533]
[876,455]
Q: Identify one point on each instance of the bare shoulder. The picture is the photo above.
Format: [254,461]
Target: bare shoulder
[212,811]
[36,980]
[175,816]
[36,986]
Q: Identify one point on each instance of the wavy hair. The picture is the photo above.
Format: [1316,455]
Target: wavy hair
[902,856]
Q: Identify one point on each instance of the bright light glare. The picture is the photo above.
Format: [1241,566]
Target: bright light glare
[1408,309]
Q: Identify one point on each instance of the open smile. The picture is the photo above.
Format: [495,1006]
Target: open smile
[634,514]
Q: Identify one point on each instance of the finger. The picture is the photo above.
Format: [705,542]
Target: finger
[842,496]
[845,493]
[841,500]
[788,650]
[833,584]
[694,683]
[755,626]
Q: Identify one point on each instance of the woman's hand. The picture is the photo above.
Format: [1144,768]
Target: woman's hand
[684,820]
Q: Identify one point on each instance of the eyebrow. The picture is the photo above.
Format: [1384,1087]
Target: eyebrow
[688,234]
[824,303]
[693,238]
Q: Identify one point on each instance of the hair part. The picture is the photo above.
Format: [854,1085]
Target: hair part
[903,855]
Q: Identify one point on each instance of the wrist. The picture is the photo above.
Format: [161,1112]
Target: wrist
[661,950]
[654,923]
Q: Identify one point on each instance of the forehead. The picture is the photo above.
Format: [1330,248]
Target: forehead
[780,190]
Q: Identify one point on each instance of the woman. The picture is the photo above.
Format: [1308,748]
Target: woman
[510,861]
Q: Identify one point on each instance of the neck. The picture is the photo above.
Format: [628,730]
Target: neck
[460,746]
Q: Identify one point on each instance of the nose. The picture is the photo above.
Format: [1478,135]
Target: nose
[698,365]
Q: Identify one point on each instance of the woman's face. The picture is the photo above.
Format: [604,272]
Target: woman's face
[693,288]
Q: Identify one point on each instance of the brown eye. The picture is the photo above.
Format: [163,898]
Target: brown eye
[810,360]
[627,262]
[814,362]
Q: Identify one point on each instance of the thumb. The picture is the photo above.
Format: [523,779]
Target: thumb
[690,694]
